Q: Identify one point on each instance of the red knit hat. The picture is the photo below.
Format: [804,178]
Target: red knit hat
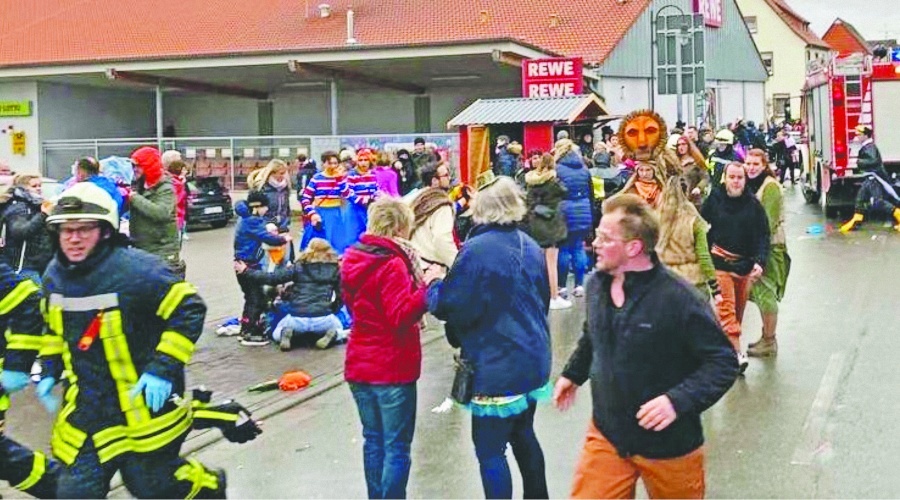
[366,154]
[149,160]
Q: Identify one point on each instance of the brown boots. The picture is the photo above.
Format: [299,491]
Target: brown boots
[763,348]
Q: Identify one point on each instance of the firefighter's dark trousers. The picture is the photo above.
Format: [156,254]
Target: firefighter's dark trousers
[158,474]
[27,471]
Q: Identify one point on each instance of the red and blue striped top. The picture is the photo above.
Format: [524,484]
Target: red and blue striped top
[323,191]
[362,187]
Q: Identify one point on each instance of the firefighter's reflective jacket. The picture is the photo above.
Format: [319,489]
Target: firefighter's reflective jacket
[118,314]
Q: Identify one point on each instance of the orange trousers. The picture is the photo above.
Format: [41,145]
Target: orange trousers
[735,292]
[602,473]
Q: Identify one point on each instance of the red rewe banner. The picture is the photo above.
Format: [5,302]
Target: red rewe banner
[555,77]
[713,12]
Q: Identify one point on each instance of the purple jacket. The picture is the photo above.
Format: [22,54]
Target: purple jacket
[387,179]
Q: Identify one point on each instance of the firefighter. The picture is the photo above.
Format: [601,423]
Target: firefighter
[121,328]
[722,155]
[26,470]
[876,193]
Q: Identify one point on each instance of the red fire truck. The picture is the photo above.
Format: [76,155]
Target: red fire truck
[848,91]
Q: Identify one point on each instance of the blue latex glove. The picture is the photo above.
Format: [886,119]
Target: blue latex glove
[156,390]
[44,393]
[14,381]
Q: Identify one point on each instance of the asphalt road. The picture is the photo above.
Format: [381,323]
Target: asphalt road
[817,422]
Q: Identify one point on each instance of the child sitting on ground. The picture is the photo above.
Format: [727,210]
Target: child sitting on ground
[312,301]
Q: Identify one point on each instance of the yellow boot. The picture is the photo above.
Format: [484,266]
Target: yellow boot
[851,224]
[897,218]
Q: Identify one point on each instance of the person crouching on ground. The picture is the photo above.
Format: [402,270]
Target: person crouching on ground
[382,285]
[495,300]
[312,300]
[656,359]
[739,245]
[249,236]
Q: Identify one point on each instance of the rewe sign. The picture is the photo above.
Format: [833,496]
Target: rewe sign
[713,12]
[556,77]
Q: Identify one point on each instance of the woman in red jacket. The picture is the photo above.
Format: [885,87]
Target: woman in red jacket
[383,288]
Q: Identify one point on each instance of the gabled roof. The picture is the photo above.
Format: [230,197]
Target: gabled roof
[47,32]
[797,23]
[529,109]
[843,37]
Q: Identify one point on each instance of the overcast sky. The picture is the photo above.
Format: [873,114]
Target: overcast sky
[875,19]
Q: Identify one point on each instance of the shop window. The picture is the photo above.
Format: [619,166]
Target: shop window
[779,104]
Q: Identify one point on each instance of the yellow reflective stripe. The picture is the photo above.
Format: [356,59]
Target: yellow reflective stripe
[68,371]
[106,436]
[17,295]
[55,319]
[174,297]
[121,367]
[23,342]
[63,451]
[37,472]
[198,476]
[176,345]
[4,402]
[52,345]
[67,440]
[215,415]
[144,445]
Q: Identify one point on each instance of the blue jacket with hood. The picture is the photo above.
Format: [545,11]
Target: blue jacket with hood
[250,234]
[577,206]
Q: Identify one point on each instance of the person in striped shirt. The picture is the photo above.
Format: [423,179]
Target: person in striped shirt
[323,205]
[362,188]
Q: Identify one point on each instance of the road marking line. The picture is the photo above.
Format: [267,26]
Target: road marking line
[814,427]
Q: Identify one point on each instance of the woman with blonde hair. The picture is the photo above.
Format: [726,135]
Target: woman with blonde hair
[682,244]
[383,287]
[314,298]
[275,182]
[545,221]
[28,248]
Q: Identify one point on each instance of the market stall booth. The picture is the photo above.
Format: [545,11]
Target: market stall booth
[532,121]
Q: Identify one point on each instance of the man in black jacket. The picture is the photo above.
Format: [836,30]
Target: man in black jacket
[656,358]
[876,193]
[739,240]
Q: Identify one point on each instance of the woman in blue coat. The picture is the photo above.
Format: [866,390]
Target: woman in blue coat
[576,207]
[503,333]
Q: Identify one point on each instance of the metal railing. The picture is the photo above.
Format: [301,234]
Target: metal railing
[233,157]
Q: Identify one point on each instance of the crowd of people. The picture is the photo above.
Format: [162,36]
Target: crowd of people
[666,265]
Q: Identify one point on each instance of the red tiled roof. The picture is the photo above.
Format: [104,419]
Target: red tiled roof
[797,23]
[844,38]
[44,32]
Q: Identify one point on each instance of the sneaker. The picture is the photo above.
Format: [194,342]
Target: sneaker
[286,335]
[254,340]
[559,303]
[743,363]
[579,291]
[564,293]
[763,349]
[327,339]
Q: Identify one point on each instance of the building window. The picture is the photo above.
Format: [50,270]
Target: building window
[676,34]
[779,103]
[750,21]
[768,60]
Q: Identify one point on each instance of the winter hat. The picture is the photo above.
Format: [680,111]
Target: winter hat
[148,159]
[366,154]
[257,199]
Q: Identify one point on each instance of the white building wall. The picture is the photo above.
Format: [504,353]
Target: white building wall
[30,163]
[740,99]
[624,95]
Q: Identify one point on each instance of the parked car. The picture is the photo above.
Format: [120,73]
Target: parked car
[208,203]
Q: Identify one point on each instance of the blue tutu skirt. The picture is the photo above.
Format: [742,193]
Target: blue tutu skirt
[357,218]
[334,230]
[512,406]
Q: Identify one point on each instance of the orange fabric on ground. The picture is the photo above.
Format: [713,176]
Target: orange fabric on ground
[602,473]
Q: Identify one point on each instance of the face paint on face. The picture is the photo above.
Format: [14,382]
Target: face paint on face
[735,180]
[642,135]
